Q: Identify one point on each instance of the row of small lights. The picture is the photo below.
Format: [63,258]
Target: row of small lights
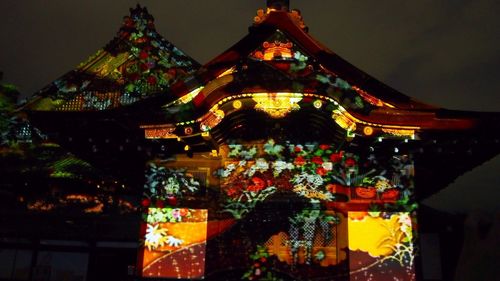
[318,103]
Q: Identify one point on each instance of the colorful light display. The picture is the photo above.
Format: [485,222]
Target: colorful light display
[381,246]
[174,243]
[324,185]
[319,173]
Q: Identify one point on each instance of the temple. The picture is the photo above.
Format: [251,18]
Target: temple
[276,160]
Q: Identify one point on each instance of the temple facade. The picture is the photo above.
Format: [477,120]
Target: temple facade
[276,160]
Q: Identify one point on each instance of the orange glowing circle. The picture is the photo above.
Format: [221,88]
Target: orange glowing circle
[368,130]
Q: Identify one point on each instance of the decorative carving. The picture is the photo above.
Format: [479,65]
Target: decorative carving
[297,18]
[277,105]
[160,133]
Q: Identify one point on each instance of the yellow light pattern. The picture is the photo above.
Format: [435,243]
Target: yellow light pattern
[228,71]
[400,132]
[212,119]
[343,121]
[277,105]
[237,104]
[375,235]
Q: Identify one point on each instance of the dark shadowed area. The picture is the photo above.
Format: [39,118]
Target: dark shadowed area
[442,53]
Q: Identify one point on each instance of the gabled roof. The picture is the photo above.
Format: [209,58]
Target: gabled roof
[137,63]
[384,104]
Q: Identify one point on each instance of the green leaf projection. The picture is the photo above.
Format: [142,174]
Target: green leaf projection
[164,183]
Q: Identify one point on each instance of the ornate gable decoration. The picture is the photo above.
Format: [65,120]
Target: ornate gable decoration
[294,14]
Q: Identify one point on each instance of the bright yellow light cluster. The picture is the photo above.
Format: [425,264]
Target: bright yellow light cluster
[227,72]
[212,119]
[343,121]
[237,104]
[375,235]
[400,132]
[277,105]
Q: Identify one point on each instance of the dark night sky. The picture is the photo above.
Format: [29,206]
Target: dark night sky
[444,53]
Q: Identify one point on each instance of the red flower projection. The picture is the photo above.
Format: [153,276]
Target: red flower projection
[324,146]
[143,55]
[151,80]
[317,160]
[231,191]
[299,161]
[160,204]
[336,157]
[145,202]
[321,171]
[258,185]
[350,162]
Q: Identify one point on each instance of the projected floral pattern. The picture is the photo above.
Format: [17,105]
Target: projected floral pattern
[325,180]
[167,185]
[317,172]
[135,64]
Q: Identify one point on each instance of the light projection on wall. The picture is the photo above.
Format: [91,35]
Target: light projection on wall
[381,246]
[317,234]
[320,173]
[174,243]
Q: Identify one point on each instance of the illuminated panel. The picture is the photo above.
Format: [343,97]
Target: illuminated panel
[174,243]
[381,246]
[159,133]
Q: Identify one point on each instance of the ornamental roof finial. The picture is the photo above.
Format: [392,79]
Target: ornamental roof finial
[279,5]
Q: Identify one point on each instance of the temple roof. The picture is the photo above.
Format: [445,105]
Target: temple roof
[136,63]
[278,55]
[259,82]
